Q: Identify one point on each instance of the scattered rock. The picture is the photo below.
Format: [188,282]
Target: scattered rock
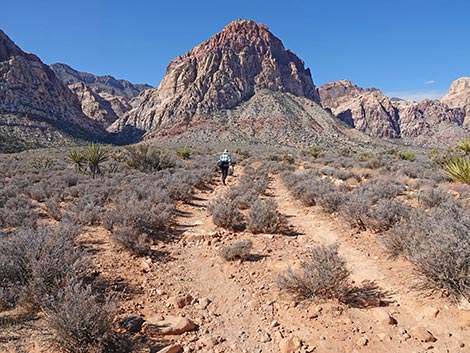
[384,337]
[383,317]
[289,345]
[174,348]
[180,301]
[170,325]
[423,335]
[430,312]
[132,323]
[362,341]
[203,303]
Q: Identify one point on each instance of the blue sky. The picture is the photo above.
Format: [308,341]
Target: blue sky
[411,49]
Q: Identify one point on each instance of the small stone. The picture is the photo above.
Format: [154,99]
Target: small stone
[133,323]
[203,303]
[423,335]
[383,317]
[180,301]
[362,341]
[384,337]
[174,348]
[430,312]
[274,323]
[170,325]
[289,345]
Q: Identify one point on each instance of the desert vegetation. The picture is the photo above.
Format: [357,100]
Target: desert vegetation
[138,199]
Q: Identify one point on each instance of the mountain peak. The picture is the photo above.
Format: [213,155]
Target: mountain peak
[221,73]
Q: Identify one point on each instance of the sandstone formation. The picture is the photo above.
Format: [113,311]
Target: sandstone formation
[99,84]
[458,96]
[103,107]
[234,84]
[35,107]
[427,123]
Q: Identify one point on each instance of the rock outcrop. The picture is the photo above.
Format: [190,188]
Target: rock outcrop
[458,96]
[202,87]
[367,110]
[429,122]
[35,106]
[103,107]
[99,84]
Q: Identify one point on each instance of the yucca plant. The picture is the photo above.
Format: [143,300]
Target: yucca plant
[95,155]
[76,158]
[458,169]
[464,146]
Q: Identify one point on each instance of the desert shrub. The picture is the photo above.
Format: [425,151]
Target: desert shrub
[406,155]
[80,322]
[323,275]
[381,188]
[385,215]
[263,217]
[313,152]
[148,159]
[434,197]
[458,169]
[239,250]
[35,262]
[75,157]
[364,156]
[53,210]
[225,213]
[355,209]
[131,239]
[18,211]
[310,190]
[41,162]
[85,211]
[95,155]
[436,241]
[331,201]
[183,152]
[147,216]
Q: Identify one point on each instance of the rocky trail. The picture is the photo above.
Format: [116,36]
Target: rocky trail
[192,300]
[237,306]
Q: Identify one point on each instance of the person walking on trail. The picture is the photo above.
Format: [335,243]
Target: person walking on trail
[225,160]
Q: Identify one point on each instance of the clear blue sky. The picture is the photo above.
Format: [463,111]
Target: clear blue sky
[407,48]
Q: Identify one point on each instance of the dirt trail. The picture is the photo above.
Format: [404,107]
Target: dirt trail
[248,313]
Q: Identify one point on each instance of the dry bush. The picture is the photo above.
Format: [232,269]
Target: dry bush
[434,197]
[323,275]
[437,242]
[225,214]
[380,188]
[263,217]
[131,239]
[53,210]
[239,250]
[385,215]
[331,201]
[355,209]
[35,262]
[148,159]
[18,211]
[80,322]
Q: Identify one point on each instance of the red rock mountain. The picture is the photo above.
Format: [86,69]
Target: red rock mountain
[36,109]
[206,85]
[458,96]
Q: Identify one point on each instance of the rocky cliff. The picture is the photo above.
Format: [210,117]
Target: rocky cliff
[458,96]
[99,84]
[218,75]
[34,105]
[429,122]
[367,110]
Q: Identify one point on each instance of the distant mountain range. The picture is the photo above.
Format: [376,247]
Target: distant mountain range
[241,85]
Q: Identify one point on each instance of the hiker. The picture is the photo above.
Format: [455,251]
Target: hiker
[225,160]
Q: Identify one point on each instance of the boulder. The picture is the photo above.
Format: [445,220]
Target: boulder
[169,325]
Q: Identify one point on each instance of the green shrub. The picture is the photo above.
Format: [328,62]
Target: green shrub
[148,159]
[464,146]
[406,155]
[313,152]
[183,152]
[95,155]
